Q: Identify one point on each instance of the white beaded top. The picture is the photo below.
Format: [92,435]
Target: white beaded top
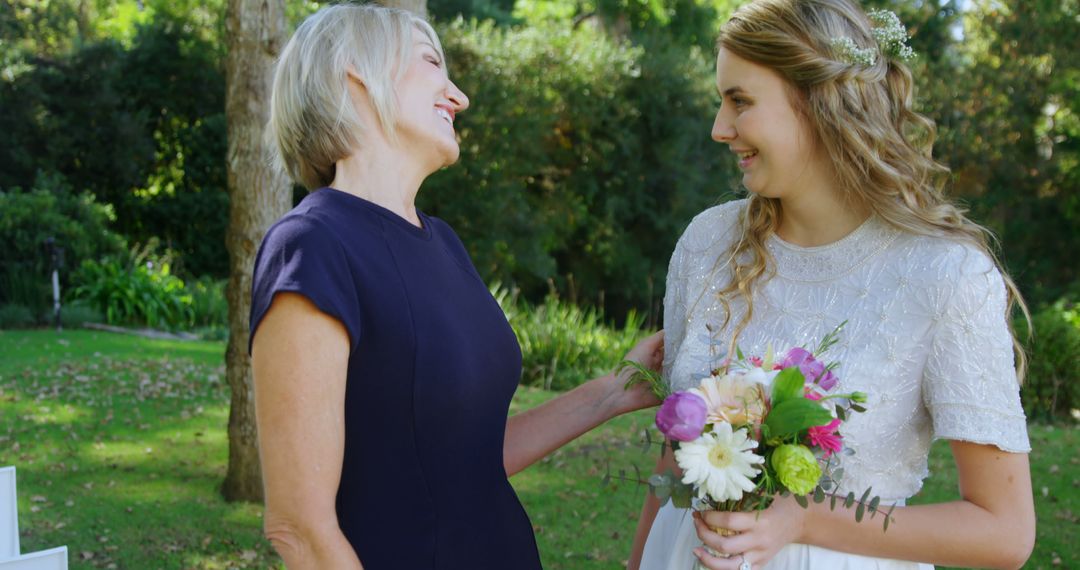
[926,337]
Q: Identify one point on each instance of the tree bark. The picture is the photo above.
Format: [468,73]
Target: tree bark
[258,195]
[415,6]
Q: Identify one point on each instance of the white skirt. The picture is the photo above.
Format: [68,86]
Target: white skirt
[672,540]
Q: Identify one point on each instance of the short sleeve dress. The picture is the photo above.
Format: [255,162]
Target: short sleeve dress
[432,366]
[926,338]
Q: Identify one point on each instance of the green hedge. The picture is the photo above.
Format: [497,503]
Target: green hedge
[49,209]
[563,345]
[1052,388]
[583,157]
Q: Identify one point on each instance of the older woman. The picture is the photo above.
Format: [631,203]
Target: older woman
[383,367]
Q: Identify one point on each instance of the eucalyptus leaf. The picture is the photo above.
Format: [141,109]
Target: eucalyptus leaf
[873,506]
[819,494]
[801,499]
[682,495]
[849,500]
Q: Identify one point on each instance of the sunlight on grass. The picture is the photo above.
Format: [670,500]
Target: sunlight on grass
[78,430]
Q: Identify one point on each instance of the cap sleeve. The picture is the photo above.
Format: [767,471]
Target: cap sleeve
[302,255]
[970,386]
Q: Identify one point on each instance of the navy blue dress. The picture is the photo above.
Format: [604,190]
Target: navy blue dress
[432,367]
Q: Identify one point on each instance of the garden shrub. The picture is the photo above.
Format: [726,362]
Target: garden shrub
[78,223]
[15,317]
[583,157]
[1052,386]
[136,292]
[75,314]
[564,345]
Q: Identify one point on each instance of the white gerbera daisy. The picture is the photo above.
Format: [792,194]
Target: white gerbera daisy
[720,464]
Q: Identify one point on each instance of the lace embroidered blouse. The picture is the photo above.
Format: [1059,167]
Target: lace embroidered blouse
[926,337]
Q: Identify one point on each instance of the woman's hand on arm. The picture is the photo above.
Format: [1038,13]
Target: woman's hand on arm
[992,526]
[300,358]
[535,433]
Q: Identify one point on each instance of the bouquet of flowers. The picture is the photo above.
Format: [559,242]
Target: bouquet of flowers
[755,428]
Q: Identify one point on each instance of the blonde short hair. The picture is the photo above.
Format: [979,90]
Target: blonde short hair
[313,123]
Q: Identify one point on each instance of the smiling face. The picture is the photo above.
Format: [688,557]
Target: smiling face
[428,103]
[775,149]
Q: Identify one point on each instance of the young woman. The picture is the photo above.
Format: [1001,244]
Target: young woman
[383,366]
[846,221]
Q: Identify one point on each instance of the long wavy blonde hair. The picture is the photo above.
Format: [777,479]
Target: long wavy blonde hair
[879,147]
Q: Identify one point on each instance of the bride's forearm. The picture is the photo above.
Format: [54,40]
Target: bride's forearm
[993,526]
[957,533]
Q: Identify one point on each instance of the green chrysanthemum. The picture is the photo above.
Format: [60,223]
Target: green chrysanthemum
[797,468]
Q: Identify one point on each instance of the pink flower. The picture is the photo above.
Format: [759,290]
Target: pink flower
[682,416]
[757,361]
[827,437]
[813,370]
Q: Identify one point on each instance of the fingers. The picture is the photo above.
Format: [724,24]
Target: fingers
[717,563]
[732,544]
[738,522]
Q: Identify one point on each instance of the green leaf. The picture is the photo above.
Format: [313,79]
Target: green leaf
[787,385]
[832,502]
[660,486]
[819,494]
[794,415]
[801,499]
[859,511]
[888,517]
[841,413]
[682,495]
[849,500]
[865,495]
[873,506]
[857,408]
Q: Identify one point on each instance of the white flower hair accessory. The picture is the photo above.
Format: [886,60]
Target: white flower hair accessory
[889,33]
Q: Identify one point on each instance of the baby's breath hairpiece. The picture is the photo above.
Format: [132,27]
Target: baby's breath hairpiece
[889,33]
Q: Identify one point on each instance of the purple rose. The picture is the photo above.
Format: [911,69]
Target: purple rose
[682,416]
[813,370]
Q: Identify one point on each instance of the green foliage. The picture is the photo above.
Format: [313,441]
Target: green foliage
[139,123]
[27,218]
[1052,386]
[208,303]
[1008,128]
[582,159]
[563,345]
[139,292]
[15,317]
[75,314]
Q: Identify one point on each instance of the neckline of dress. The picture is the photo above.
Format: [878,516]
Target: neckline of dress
[422,231]
[832,260]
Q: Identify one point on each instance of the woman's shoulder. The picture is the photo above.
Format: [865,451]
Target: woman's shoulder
[318,221]
[955,269]
[712,228]
[949,258]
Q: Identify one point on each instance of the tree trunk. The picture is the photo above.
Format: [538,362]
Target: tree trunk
[258,195]
[414,6]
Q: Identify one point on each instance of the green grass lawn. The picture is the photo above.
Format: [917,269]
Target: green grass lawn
[120,447]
